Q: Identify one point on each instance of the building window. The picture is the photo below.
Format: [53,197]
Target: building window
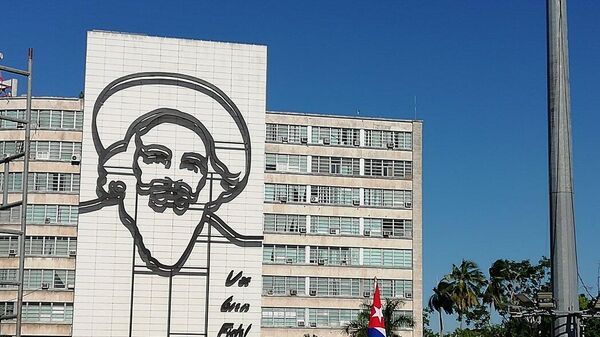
[335,136]
[48,312]
[334,256]
[331,318]
[400,140]
[44,150]
[388,168]
[278,162]
[328,286]
[391,288]
[39,246]
[42,182]
[397,228]
[334,225]
[45,119]
[401,258]
[336,165]
[286,223]
[283,317]
[285,193]
[44,279]
[284,133]
[388,198]
[42,215]
[283,254]
[284,285]
[334,195]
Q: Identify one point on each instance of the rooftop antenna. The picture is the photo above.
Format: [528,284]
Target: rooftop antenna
[415,107]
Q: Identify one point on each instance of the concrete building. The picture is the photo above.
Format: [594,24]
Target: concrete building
[49,278]
[337,198]
[342,205]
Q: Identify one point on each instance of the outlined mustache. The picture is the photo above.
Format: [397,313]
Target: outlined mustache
[166,193]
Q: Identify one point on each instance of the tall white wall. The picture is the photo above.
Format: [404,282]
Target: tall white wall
[107,301]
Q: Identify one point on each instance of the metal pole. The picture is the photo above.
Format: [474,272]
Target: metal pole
[562,220]
[19,306]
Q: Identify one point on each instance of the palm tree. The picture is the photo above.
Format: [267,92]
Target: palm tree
[464,286]
[441,300]
[393,320]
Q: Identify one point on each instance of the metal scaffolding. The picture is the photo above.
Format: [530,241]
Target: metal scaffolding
[6,161]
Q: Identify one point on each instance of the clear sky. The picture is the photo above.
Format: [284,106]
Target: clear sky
[478,69]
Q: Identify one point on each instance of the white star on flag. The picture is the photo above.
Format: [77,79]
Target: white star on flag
[378,313]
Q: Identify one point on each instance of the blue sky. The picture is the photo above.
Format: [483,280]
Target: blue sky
[478,69]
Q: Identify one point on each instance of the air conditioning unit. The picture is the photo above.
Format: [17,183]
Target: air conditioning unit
[75,160]
[47,221]
[284,139]
[408,295]
[300,323]
[45,286]
[42,155]
[312,261]
[333,231]
[314,199]
[326,141]
[302,230]
[367,232]
[367,294]
[283,198]
[313,293]
[293,292]
[12,252]
[321,262]
[408,205]
[289,261]
[357,143]
[387,234]
[356,202]
[313,324]
[20,125]
[72,252]
[270,292]
[70,286]
[304,140]
[344,262]
[390,145]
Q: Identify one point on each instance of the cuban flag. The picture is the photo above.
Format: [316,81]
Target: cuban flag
[376,323]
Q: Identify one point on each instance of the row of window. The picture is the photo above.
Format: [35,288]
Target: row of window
[334,287]
[42,182]
[45,119]
[295,163]
[337,256]
[42,214]
[336,195]
[43,150]
[336,225]
[298,134]
[41,278]
[34,312]
[39,246]
[311,317]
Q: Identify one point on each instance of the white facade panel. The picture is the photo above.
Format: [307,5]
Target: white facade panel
[171,188]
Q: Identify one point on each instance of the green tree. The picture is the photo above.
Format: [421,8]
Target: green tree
[394,321]
[441,301]
[465,284]
[591,325]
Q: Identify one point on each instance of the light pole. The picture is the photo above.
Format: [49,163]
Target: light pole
[562,220]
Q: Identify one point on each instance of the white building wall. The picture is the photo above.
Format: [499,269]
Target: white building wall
[159,305]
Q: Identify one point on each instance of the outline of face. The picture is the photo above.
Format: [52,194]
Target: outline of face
[180,176]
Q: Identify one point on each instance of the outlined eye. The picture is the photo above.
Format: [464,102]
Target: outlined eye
[194,162]
[156,154]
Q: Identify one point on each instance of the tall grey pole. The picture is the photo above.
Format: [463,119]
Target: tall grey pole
[562,220]
[19,306]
